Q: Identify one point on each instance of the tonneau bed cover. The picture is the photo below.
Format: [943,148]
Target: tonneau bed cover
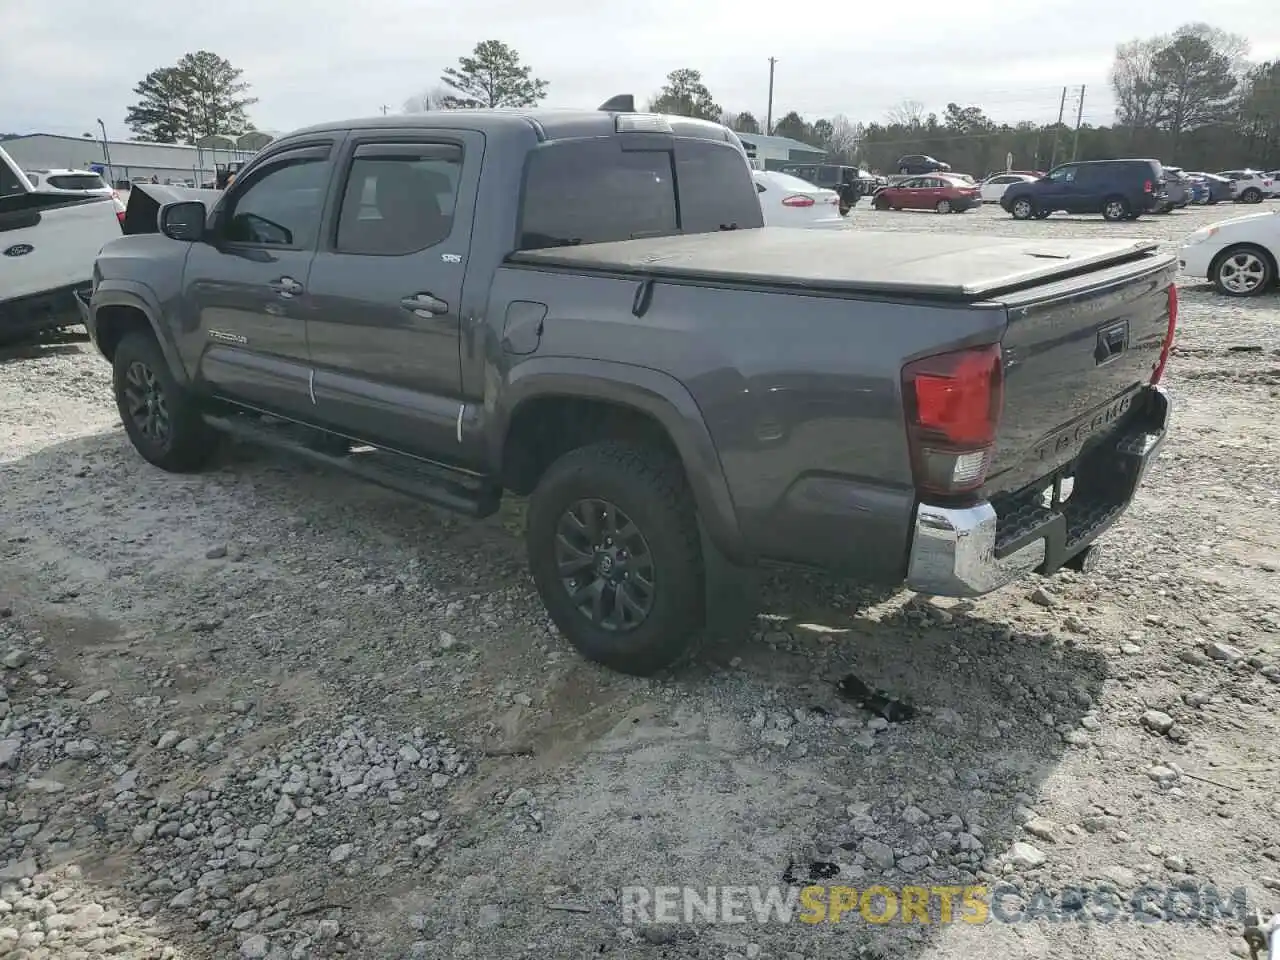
[952,266]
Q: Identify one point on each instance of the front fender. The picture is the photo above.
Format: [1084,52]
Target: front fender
[140,297]
[652,392]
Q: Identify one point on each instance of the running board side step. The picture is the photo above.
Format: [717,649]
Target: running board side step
[441,486]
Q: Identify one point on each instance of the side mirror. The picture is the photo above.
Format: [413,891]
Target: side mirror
[183,220]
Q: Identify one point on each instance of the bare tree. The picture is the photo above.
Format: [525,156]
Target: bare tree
[1133,79]
[843,139]
[908,113]
[432,99]
[1233,46]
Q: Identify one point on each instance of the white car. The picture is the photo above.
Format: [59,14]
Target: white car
[1238,256]
[84,183]
[1249,186]
[788,201]
[993,188]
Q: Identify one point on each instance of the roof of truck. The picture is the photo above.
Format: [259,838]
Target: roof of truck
[551,124]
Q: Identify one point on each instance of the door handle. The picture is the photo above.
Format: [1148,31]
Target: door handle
[425,305]
[286,287]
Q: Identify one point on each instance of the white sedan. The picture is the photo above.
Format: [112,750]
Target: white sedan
[788,201]
[993,188]
[1238,256]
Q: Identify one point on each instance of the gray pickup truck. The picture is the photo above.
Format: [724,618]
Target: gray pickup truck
[584,307]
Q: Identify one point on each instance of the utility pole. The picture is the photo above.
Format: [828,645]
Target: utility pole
[1075,146]
[385,108]
[768,119]
[1062,108]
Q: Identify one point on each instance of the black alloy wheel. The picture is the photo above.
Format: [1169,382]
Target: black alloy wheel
[146,405]
[605,565]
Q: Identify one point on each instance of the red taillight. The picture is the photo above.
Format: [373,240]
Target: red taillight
[1167,346]
[953,404]
[798,201]
[1147,186]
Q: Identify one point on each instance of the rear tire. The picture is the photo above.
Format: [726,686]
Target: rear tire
[161,417]
[1115,209]
[1023,208]
[1243,271]
[613,527]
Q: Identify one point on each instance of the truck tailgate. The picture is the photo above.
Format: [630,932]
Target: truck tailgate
[53,246]
[1076,354]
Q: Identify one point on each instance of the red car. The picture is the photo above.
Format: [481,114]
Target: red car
[937,191]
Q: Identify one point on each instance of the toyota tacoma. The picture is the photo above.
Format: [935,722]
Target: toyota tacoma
[584,308]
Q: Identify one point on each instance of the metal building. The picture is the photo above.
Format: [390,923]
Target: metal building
[780,148]
[120,160]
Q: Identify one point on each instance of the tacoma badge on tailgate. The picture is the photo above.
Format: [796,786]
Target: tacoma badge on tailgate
[1073,436]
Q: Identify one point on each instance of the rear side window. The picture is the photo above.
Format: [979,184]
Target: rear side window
[76,181]
[715,188]
[591,191]
[399,199]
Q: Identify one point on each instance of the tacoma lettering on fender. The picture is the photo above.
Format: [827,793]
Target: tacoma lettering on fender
[585,308]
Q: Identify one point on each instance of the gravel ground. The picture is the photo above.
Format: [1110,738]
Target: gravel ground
[270,712]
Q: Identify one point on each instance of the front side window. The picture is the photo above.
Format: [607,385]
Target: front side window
[9,182]
[400,202]
[1063,175]
[280,208]
[591,191]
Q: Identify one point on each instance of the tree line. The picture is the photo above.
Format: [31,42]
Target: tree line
[1191,98]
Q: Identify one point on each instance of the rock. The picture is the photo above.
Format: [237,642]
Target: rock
[658,933]
[215,553]
[1025,856]
[185,899]
[168,739]
[341,853]
[1157,720]
[328,929]
[1090,723]
[447,640]
[1223,652]
[20,870]
[1041,597]
[245,920]
[10,747]
[915,816]
[1120,876]
[81,749]
[519,797]
[15,659]
[1197,698]
[1271,883]
[96,697]
[255,948]
[1130,649]
[1042,829]
[188,747]
[1175,863]
[878,852]
[1162,774]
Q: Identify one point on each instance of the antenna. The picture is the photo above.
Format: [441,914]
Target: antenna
[622,103]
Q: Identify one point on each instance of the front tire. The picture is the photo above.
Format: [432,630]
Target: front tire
[161,418]
[1115,209]
[1243,271]
[1252,195]
[880,203]
[943,206]
[614,549]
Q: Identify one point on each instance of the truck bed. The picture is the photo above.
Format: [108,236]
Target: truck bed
[946,266]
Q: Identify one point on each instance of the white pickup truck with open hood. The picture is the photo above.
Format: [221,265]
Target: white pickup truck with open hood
[48,242]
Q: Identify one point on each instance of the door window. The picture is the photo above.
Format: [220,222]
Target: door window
[1063,175]
[400,202]
[280,208]
[9,182]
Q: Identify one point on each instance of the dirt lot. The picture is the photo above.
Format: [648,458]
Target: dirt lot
[269,712]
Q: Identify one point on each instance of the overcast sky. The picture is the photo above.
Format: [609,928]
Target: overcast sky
[331,59]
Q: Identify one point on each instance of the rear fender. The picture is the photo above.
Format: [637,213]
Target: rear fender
[140,297]
[657,394]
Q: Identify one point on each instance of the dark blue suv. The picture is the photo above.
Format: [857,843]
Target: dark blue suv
[1117,189]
